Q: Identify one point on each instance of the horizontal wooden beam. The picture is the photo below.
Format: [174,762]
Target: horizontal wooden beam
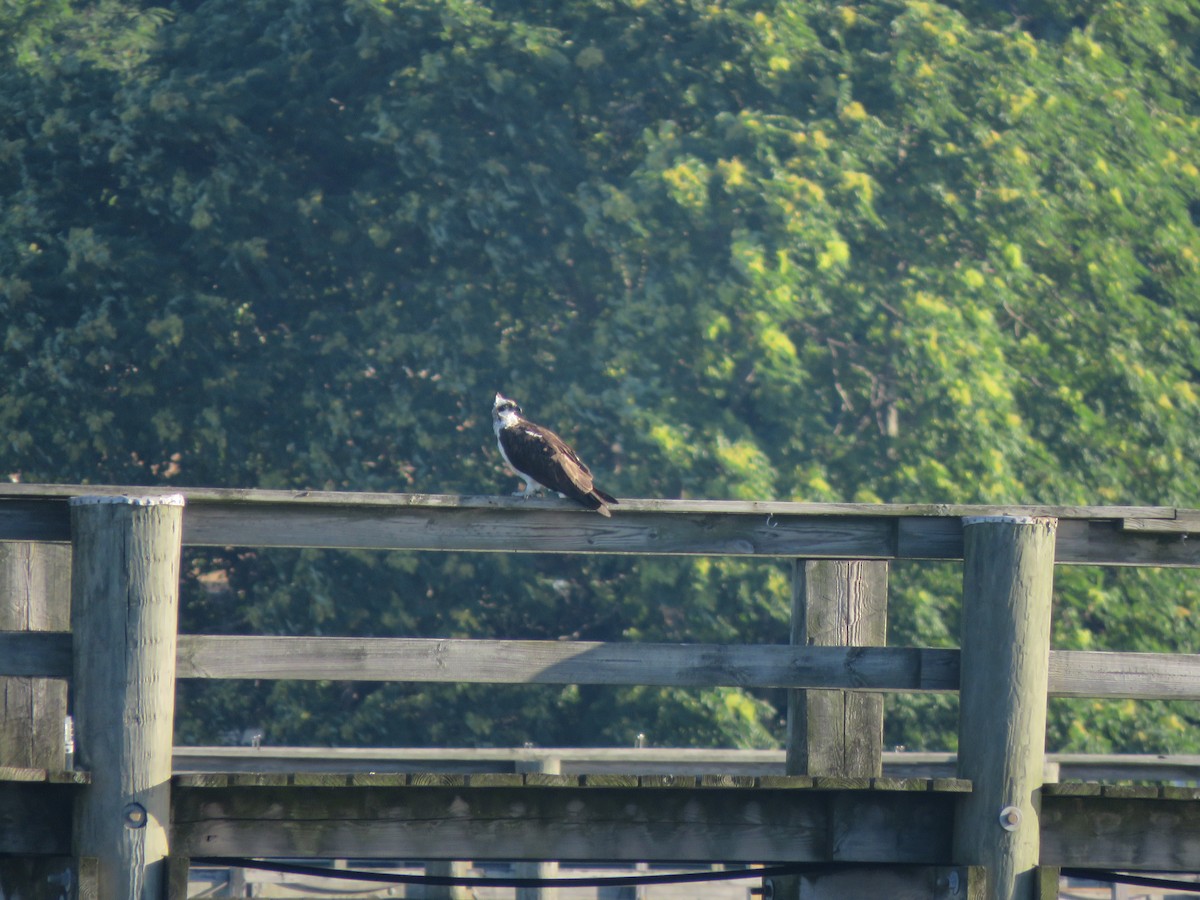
[567,662]
[570,760]
[1071,767]
[591,780]
[838,882]
[1101,535]
[35,654]
[1073,673]
[1146,676]
[253,496]
[35,818]
[676,824]
[639,818]
[1112,832]
[643,819]
[1135,676]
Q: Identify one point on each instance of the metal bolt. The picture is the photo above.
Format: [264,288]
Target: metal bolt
[134,815]
[1010,818]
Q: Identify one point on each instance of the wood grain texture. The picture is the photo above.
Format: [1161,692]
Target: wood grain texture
[198,497]
[1073,673]
[584,823]
[1118,833]
[233,517]
[34,600]
[1008,577]
[902,770]
[566,662]
[26,655]
[893,882]
[1082,825]
[1137,676]
[124,608]
[837,603]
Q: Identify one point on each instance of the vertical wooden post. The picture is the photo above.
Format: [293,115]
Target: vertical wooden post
[1008,577]
[35,584]
[545,765]
[124,611]
[835,602]
[839,603]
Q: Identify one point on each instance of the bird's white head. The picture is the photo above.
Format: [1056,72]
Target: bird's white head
[505,412]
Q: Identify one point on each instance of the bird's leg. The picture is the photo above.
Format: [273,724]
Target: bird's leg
[530,487]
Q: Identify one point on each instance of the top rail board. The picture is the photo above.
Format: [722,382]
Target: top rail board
[1102,535]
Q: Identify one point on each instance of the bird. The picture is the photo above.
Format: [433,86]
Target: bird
[542,458]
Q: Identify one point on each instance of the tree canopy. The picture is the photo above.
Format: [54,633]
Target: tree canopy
[877,251]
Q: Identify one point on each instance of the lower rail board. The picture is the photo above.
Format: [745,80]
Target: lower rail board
[529,816]
[1149,828]
[612,817]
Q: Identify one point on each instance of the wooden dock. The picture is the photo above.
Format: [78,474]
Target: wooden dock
[126,820]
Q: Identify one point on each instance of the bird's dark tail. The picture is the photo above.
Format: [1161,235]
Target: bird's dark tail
[598,501]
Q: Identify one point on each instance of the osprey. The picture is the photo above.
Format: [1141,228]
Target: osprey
[541,457]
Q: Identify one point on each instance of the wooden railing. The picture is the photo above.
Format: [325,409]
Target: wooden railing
[1073,673]
[123,654]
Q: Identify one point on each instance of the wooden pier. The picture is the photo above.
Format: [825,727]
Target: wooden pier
[124,820]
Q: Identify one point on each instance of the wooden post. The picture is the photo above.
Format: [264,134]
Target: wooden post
[835,602]
[838,603]
[1008,576]
[545,765]
[35,584]
[124,610]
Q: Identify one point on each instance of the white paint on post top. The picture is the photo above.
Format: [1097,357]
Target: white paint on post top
[127,500]
[1010,520]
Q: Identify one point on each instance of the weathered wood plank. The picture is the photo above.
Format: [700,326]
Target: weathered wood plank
[124,609]
[1072,789]
[566,662]
[35,599]
[549,527]
[1102,542]
[1098,831]
[1117,833]
[36,654]
[837,603]
[218,517]
[1008,577]
[1185,521]
[542,528]
[26,520]
[200,496]
[893,882]
[586,823]
[909,770]
[1073,673]
[1139,676]
[628,824]
[23,773]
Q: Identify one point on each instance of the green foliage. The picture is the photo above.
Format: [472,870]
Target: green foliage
[894,251]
